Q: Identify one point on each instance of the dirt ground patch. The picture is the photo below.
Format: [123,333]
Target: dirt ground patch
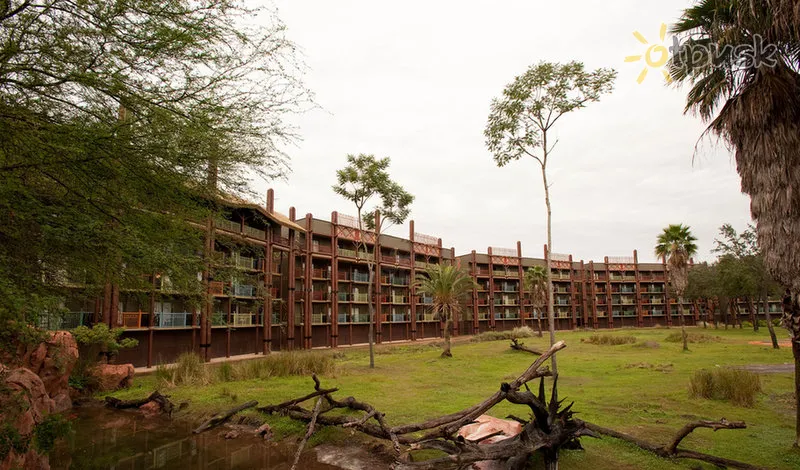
[768,368]
[783,343]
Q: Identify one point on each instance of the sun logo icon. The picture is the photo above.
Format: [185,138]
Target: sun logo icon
[655,57]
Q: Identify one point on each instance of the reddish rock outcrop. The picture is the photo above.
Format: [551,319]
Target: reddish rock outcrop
[53,361]
[114,376]
[24,404]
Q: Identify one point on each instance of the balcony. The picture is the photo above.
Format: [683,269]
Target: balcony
[399,299]
[360,318]
[343,318]
[257,233]
[391,259]
[228,225]
[499,273]
[344,297]
[426,316]
[562,302]
[135,319]
[483,315]
[243,290]
[426,300]
[325,249]
[65,321]
[396,318]
[347,253]
[360,298]
[506,315]
[174,320]
[243,319]
[319,319]
[360,277]
[245,262]
[320,296]
[421,264]
[482,272]
[281,240]
[398,280]
[321,273]
[216,288]
[404,261]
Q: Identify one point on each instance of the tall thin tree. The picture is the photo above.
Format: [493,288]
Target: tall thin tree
[449,286]
[520,122]
[362,179]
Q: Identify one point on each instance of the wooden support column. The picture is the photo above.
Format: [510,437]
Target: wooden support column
[667,300]
[152,309]
[208,298]
[491,291]
[584,295]
[639,308]
[291,301]
[309,264]
[334,282]
[376,249]
[572,320]
[456,321]
[266,336]
[412,288]
[475,321]
[609,298]
[593,294]
[520,286]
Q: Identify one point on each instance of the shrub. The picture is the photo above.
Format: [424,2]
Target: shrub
[747,324]
[519,332]
[738,386]
[647,345]
[187,370]
[102,339]
[283,364]
[52,428]
[610,340]
[677,337]
[224,372]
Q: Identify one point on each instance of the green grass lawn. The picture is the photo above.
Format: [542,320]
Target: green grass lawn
[641,391]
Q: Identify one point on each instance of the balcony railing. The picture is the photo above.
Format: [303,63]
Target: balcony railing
[396,317]
[421,264]
[426,300]
[399,299]
[228,225]
[360,318]
[243,290]
[404,261]
[344,297]
[319,318]
[283,241]
[326,249]
[426,316]
[482,271]
[216,287]
[65,321]
[398,280]
[244,319]
[360,277]
[320,273]
[174,320]
[246,262]
[483,315]
[391,259]
[253,232]
[499,273]
[135,319]
[320,296]
[360,298]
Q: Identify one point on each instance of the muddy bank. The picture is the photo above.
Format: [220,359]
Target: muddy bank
[124,439]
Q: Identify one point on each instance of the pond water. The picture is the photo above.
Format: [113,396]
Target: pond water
[124,439]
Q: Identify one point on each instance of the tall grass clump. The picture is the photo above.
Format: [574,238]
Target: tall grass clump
[284,364]
[518,332]
[692,338]
[610,340]
[740,387]
[187,370]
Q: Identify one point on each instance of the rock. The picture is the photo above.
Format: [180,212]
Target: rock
[484,431]
[53,361]
[24,405]
[151,409]
[232,434]
[265,431]
[114,376]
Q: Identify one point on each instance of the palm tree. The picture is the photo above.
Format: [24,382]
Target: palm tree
[535,282]
[676,244]
[754,105]
[448,285]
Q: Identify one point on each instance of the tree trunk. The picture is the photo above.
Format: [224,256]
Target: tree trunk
[539,321]
[683,325]
[448,323]
[796,353]
[752,311]
[551,461]
[371,334]
[550,299]
[770,326]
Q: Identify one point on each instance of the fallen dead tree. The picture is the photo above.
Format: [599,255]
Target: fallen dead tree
[552,428]
[671,450]
[162,400]
[220,418]
[519,346]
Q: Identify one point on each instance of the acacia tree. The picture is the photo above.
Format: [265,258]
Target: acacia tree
[110,113]
[676,245]
[535,282]
[448,285]
[362,179]
[520,122]
[746,271]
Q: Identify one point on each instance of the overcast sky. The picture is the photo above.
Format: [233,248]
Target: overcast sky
[413,81]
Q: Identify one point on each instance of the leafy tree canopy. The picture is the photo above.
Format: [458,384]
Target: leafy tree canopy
[114,119]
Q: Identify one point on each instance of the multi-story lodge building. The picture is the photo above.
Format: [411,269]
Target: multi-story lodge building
[299,283]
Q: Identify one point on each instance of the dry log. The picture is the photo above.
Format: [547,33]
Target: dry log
[269,409]
[515,344]
[163,401]
[309,432]
[671,450]
[220,418]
